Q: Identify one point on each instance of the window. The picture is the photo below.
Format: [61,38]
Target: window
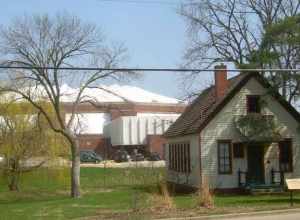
[285,155]
[238,150]
[253,105]
[180,157]
[224,157]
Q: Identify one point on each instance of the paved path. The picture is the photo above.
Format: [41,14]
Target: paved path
[291,214]
[111,164]
[282,216]
[108,164]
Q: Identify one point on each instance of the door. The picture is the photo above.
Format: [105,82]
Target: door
[255,155]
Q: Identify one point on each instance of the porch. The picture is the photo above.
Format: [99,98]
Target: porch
[265,165]
[276,183]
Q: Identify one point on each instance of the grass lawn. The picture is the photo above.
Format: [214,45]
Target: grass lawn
[113,193]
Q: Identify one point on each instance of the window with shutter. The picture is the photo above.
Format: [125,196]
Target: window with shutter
[179,157]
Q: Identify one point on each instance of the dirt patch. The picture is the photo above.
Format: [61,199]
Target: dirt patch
[97,191]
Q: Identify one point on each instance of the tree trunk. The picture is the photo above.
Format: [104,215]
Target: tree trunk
[75,170]
[14,182]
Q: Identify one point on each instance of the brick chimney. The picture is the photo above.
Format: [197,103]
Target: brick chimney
[221,82]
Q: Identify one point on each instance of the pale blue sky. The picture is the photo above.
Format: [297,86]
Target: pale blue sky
[154,33]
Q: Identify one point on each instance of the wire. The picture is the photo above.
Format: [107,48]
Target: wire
[143,2]
[171,3]
[144,69]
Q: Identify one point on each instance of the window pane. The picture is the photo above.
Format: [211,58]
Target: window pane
[222,149]
[222,161]
[185,158]
[227,168]
[176,157]
[253,104]
[226,151]
[171,161]
[181,157]
[188,165]
[224,157]
[170,155]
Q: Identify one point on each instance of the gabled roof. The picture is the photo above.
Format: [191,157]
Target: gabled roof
[198,114]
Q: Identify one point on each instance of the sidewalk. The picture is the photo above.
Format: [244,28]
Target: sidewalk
[133,164]
[285,214]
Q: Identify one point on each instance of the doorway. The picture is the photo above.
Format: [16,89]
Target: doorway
[255,157]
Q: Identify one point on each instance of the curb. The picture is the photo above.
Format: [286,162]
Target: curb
[236,215]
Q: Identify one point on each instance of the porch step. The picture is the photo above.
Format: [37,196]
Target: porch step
[265,189]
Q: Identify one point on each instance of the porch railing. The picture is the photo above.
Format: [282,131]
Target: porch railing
[242,175]
[275,180]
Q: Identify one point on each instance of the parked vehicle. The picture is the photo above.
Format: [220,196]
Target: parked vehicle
[121,156]
[153,157]
[137,157]
[90,156]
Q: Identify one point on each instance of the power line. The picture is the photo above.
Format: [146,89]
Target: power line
[143,2]
[171,3]
[144,69]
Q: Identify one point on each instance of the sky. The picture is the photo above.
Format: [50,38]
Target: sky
[154,33]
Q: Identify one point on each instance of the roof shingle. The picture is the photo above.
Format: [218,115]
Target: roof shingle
[197,113]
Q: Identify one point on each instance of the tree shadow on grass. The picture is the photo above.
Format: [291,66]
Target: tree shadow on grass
[146,188]
[33,197]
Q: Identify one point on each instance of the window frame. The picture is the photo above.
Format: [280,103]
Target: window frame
[180,157]
[290,156]
[229,142]
[258,104]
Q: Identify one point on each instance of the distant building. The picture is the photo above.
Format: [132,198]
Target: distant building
[121,117]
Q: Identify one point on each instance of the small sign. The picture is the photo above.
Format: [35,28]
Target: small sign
[293,184]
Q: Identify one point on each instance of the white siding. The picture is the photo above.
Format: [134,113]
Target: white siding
[133,130]
[89,123]
[191,179]
[271,161]
[114,131]
[221,127]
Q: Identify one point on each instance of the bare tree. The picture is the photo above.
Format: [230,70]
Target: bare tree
[63,40]
[232,31]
